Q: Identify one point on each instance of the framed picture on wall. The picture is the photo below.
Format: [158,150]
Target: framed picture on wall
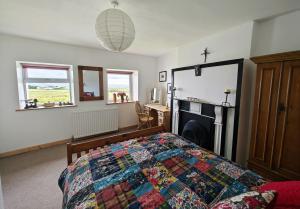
[169,88]
[162,76]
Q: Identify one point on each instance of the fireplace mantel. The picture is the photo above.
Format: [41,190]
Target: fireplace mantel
[200,101]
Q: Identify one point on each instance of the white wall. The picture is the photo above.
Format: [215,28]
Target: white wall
[275,35]
[27,128]
[209,86]
[230,44]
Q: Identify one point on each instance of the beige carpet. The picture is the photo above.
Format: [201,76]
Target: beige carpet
[29,180]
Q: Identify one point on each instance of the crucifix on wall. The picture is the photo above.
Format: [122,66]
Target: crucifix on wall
[205,53]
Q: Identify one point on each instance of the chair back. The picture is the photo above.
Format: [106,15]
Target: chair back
[138,107]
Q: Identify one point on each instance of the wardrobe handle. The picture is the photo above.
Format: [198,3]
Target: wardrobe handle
[281,108]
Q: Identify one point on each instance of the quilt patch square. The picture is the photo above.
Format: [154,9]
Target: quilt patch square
[116,147]
[148,163]
[141,155]
[230,169]
[188,158]
[170,145]
[115,196]
[125,161]
[172,190]
[103,166]
[176,165]
[128,143]
[151,200]
[187,199]
[120,153]
[234,189]
[77,170]
[159,176]
[137,179]
[80,181]
[81,162]
[250,179]
[115,177]
[142,189]
[83,198]
[204,186]
[203,166]
[135,147]
[100,152]
[192,160]
[214,161]
[179,142]
[201,154]
[220,177]
[168,154]
[155,148]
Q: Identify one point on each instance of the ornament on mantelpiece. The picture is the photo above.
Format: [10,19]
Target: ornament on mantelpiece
[226,92]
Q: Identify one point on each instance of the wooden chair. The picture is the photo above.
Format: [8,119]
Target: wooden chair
[144,119]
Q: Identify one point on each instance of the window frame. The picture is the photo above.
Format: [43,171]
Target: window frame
[24,66]
[121,72]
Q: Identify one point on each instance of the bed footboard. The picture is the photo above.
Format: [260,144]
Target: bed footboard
[80,148]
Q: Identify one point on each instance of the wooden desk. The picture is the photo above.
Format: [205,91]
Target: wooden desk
[160,113]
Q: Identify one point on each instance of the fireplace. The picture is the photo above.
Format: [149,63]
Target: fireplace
[202,123]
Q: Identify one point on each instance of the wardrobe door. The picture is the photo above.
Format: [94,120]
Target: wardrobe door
[287,143]
[264,115]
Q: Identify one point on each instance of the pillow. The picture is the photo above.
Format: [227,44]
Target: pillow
[288,193]
[249,200]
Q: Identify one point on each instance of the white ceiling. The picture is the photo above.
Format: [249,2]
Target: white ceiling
[160,24]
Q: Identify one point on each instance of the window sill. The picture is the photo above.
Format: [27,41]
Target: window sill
[43,108]
[112,103]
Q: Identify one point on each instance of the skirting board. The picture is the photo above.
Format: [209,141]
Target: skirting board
[33,148]
[48,145]
[128,128]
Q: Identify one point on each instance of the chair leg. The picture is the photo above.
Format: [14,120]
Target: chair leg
[140,125]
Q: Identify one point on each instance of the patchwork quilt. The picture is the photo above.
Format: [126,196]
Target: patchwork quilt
[159,171]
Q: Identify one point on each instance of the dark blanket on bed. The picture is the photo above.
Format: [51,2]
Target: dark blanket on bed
[159,171]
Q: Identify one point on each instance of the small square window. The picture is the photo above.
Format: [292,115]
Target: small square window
[121,83]
[45,83]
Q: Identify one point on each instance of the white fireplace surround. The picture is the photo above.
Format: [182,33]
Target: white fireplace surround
[195,108]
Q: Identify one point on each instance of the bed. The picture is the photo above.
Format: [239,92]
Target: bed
[150,169]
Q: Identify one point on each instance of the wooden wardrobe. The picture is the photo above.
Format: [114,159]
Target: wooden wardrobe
[275,141]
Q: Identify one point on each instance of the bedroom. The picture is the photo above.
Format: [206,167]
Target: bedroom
[169,35]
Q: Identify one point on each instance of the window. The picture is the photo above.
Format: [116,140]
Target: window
[122,82]
[47,83]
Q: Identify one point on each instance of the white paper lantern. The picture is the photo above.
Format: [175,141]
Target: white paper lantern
[115,30]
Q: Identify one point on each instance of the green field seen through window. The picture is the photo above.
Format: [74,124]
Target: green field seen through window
[49,95]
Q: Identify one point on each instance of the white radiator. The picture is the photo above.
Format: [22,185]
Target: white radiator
[92,122]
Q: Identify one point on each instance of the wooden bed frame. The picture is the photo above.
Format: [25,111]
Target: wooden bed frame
[80,148]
